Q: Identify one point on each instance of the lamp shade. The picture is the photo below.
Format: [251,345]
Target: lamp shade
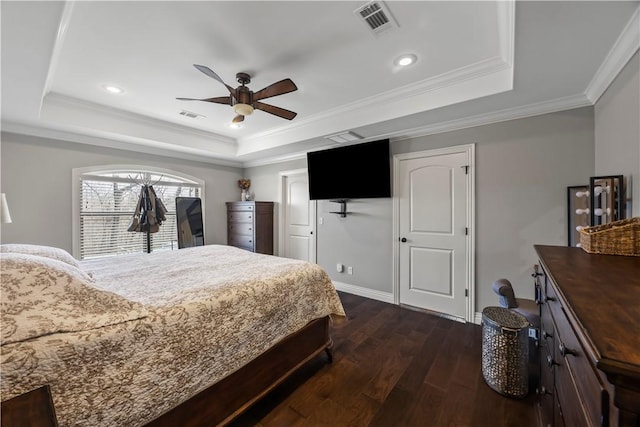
[4,210]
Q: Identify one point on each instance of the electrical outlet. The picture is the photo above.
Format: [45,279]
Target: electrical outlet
[349,270]
[339,268]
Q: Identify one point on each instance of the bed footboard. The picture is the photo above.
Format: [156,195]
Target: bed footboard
[34,409]
[223,401]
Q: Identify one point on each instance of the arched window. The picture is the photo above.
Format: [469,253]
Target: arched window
[105,199]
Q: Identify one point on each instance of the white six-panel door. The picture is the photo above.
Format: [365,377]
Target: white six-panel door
[298,217]
[433,232]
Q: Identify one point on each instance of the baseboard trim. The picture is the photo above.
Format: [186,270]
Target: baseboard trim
[364,292]
[478,318]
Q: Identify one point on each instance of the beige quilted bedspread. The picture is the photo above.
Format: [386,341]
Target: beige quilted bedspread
[210,310]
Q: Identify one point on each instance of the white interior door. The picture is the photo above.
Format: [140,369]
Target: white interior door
[298,218]
[433,231]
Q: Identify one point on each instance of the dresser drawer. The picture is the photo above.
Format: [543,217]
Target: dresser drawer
[573,361]
[573,410]
[240,216]
[546,391]
[245,242]
[240,228]
[240,207]
[558,420]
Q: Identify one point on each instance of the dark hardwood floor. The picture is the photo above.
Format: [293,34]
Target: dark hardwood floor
[393,367]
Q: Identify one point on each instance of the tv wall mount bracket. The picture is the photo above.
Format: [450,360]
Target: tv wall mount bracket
[343,207]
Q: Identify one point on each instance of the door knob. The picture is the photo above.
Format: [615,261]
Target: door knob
[403,240]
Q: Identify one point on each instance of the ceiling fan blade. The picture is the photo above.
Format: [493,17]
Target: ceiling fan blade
[237,119]
[218,100]
[209,72]
[276,111]
[278,88]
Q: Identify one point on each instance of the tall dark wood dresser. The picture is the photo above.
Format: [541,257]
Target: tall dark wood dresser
[589,338]
[250,226]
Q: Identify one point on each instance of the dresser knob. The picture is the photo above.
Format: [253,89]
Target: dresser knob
[564,351]
[549,299]
[546,334]
[551,362]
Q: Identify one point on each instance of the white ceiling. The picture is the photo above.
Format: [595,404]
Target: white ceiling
[478,62]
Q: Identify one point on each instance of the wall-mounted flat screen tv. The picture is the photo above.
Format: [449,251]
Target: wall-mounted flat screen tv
[359,171]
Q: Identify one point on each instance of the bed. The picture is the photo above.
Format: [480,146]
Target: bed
[188,337]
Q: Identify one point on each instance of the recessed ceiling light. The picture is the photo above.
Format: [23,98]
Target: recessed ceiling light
[406,60]
[113,89]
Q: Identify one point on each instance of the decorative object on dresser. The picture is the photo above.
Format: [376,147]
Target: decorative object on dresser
[590,338]
[616,238]
[250,226]
[244,185]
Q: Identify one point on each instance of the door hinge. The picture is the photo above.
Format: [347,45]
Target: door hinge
[466,169]
[466,231]
[466,292]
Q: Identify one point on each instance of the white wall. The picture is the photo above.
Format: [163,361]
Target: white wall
[36,177]
[523,170]
[617,132]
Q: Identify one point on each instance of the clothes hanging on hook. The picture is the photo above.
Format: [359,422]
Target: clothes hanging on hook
[150,212]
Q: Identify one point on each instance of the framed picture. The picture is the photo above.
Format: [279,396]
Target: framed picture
[577,212]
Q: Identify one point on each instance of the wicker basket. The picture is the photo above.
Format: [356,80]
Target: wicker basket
[616,238]
[505,351]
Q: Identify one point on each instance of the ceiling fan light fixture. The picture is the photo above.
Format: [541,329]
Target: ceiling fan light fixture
[237,125]
[243,109]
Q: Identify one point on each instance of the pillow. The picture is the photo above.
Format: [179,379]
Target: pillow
[42,296]
[45,251]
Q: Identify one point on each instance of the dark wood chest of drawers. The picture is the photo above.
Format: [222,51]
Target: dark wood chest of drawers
[250,226]
[589,338]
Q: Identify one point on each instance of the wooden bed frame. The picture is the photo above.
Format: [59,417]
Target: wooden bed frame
[217,405]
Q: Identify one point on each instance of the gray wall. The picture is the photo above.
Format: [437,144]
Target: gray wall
[523,168]
[36,177]
[617,132]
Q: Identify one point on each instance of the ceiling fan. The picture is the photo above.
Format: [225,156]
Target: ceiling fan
[244,101]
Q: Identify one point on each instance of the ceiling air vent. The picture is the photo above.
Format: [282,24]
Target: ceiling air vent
[376,16]
[344,137]
[191,114]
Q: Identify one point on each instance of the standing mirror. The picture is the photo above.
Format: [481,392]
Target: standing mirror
[189,221]
[606,199]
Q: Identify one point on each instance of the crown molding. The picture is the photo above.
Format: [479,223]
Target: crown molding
[623,49]
[454,77]
[118,142]
[507,30]
[534,109]
[64,101]
[65,20]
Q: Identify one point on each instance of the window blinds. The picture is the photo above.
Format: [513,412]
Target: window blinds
[107,203]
